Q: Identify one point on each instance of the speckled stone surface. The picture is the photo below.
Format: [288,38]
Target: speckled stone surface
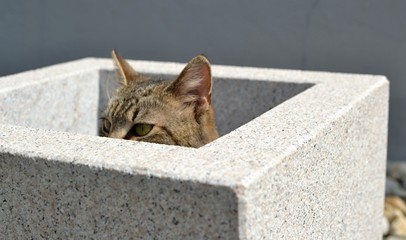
[312,167]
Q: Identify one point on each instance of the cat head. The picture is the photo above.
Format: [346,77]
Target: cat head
[177,112]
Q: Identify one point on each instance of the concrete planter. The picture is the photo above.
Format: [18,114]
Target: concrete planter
[313,167]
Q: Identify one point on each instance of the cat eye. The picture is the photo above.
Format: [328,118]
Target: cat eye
[106,125]
[141,129]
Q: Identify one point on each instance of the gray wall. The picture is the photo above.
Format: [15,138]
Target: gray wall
[358,36]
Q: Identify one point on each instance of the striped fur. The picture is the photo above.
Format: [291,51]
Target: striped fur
[179,110]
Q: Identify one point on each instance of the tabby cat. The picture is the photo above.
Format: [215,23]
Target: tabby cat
[177,112]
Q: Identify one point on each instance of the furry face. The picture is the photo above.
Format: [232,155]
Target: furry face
[177,112]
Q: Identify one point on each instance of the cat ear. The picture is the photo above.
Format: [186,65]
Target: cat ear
[194,83]
[125,72]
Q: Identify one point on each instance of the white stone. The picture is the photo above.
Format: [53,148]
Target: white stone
[312,167]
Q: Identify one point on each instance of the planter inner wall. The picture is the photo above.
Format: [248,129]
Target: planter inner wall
[75,103]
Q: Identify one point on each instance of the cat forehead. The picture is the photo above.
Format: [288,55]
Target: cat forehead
[135,98]
[143,89]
